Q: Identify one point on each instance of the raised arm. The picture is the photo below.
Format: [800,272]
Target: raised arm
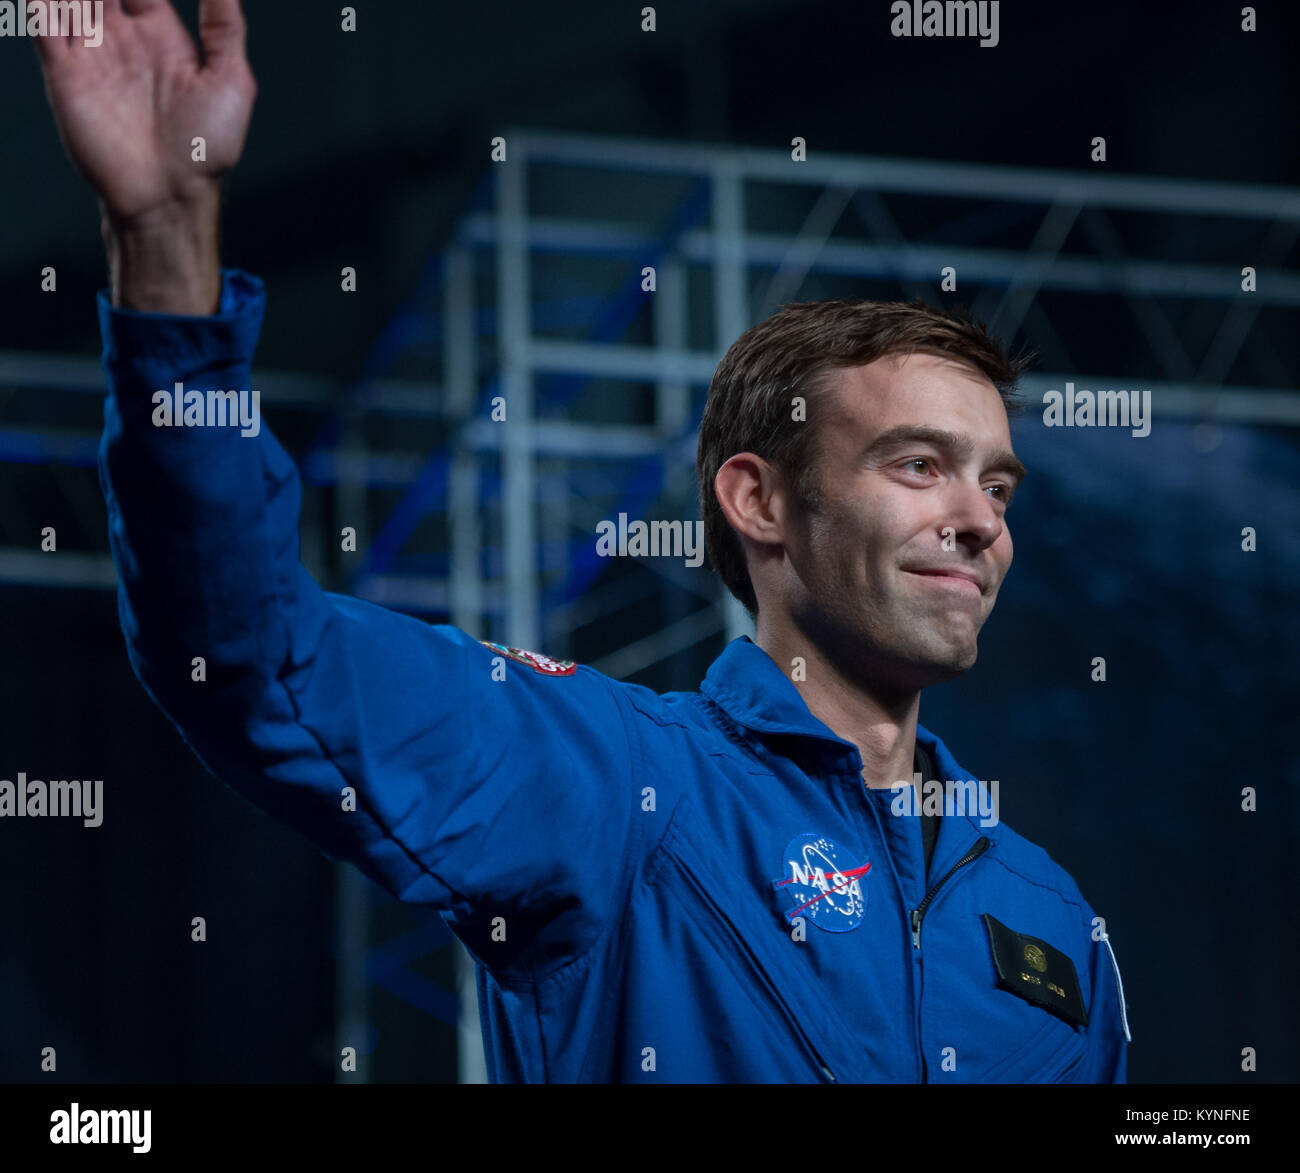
[453,778]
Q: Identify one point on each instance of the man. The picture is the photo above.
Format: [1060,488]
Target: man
[715,886]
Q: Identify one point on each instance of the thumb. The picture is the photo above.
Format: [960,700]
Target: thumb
[222,30]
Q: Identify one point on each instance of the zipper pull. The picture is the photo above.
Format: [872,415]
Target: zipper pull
[916,928]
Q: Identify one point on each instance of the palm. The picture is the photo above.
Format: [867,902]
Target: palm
[129,110]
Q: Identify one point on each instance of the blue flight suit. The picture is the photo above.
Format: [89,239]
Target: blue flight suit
[692,887]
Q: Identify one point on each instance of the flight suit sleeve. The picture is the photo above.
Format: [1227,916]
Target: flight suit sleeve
[454,776]
[1106,1059]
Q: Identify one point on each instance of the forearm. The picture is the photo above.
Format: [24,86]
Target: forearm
[202,519]
[167,262]
[299,694]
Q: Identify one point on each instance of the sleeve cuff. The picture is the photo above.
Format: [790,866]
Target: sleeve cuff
[231,333]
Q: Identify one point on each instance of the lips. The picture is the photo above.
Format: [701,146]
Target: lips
[949,572]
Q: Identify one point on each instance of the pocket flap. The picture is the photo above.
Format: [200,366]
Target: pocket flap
[1036,971]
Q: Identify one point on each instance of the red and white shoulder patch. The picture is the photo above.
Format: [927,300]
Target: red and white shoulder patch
[537,661]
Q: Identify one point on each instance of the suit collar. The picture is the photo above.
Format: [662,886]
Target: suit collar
[750,687]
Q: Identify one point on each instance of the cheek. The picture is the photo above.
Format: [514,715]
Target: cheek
[854,537]
[838,546]
[1005,551]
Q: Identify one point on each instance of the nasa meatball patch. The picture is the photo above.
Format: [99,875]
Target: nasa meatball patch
[826,883]
[535,660]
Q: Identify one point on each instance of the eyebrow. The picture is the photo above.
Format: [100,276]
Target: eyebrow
[1004,461]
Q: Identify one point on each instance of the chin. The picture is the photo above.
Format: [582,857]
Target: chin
[953,665]
[943,672]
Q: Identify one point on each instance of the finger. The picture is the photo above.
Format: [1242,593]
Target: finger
[222,30]
[52,49]
[54,46]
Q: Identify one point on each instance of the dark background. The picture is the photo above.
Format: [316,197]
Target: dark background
[365,150]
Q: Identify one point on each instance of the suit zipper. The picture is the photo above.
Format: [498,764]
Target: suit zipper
[918,913]
[758,969]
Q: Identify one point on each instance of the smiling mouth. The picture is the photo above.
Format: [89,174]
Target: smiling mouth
[957,582]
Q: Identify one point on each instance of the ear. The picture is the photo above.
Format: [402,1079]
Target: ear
[752,496]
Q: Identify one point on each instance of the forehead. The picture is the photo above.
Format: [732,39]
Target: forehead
[915,389]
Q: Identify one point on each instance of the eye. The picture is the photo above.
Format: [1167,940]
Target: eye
[1004,490]
[919,460]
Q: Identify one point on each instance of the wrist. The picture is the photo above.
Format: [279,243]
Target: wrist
[166,260]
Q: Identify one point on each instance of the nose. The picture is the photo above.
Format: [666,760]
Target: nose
[974,516]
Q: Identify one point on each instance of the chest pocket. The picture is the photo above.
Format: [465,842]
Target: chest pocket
[1042,976]
[698,885]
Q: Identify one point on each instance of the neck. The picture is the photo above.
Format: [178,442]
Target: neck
[881,723]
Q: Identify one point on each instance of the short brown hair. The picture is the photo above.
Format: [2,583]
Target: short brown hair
[794,353]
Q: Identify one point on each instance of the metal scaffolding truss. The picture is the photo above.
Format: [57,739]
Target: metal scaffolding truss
[538,298]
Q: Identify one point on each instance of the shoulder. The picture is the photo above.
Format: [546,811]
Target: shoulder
[531,683]
[1021,861]
[1029,863]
